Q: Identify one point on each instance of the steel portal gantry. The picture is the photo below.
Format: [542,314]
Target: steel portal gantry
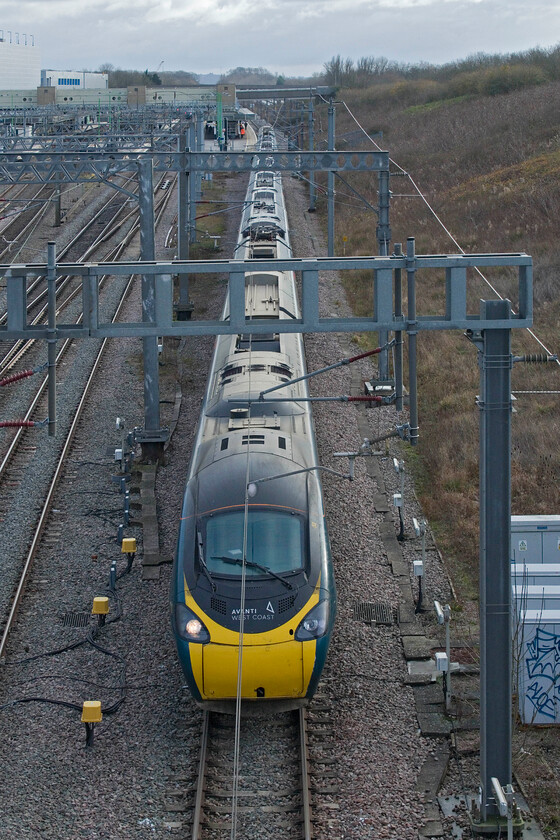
[48,166]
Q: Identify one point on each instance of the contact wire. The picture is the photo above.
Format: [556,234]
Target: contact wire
[237,736]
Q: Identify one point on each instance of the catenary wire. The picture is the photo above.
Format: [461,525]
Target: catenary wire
[440,222]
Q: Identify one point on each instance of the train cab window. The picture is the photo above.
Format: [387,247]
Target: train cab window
[231,370]
[282,369]
[275,541]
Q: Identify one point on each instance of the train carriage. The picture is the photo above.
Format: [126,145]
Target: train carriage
[253,597]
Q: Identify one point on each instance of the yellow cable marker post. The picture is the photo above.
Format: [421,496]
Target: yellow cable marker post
[91,714]
[128,547]
[100,608]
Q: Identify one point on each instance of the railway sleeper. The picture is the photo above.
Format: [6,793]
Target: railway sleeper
[221,826]
[179,807]
[223,794]
[262,809]
[324,791]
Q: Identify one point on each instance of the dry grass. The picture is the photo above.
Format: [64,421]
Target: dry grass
[490,167]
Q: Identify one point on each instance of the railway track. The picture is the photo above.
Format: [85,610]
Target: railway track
[271,795]
[14,468]
[286,772]
[112,220]
[23,208]
[17,478]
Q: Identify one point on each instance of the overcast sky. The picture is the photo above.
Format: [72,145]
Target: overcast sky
[294,37]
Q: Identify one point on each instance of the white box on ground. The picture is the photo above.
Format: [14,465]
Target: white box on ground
[442,662]
[535,539]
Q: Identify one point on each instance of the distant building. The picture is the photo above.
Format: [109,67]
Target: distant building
[74,79]
[20,61]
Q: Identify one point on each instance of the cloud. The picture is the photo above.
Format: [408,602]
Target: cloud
[290,36]
[202,12]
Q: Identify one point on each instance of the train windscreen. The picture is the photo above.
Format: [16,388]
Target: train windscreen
[274,542]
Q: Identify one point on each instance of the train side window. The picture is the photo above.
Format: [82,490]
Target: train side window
[270,343]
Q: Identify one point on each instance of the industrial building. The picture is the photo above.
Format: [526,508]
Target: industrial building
[81,79]
[20,62]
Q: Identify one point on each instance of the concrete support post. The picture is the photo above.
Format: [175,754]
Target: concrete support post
[311,131]
[330,184]
[149,343]
[57,202]
[219,121]
[495,575]
[51,340]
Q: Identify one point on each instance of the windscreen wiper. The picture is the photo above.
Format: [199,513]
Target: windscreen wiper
[202,561]
[239,562]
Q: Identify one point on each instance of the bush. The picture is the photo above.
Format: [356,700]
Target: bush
[465,84]
[511,77]
[417,92]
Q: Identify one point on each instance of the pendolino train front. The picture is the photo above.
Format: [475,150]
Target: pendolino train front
[253,551]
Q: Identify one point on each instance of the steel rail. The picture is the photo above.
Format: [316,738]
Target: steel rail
[74,240]
[304,758]
[201,779]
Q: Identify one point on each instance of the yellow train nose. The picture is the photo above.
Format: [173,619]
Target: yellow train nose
[270,671]
[267,671]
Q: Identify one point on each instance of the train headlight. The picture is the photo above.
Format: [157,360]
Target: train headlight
[315,623]
[193,627]
[188,626]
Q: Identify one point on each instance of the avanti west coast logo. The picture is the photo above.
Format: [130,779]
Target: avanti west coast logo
[254,613]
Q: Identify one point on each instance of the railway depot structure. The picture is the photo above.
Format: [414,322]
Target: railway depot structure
[156,142]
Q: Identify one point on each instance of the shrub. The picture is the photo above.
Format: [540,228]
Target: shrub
[511,77]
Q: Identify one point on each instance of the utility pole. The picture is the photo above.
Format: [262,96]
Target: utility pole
[383,240]
[494,358]
[153,436]
[330,184]
[310,124]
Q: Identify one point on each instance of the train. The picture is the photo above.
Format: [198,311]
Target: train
[253,597]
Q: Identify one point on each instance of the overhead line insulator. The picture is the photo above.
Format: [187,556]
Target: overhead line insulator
[15,377]
[23,374]
[535,358]
[17,424]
